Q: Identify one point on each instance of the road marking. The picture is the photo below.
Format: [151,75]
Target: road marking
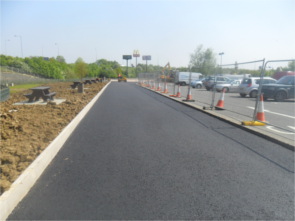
[284,115]
[278,131]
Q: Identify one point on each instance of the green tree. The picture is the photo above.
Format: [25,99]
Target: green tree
[93,70]
[291,66]
[203,61]
[61,59]
[80,68]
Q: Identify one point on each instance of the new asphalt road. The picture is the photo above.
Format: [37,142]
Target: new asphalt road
[138,155]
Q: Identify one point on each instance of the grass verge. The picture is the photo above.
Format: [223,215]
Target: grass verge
[22,87]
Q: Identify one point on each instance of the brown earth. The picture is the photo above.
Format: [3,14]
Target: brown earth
[26,130]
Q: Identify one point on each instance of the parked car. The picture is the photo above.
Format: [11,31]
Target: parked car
[281,74]
[210,81]
[283,89]
[232,86]
[249,86]
[197,84]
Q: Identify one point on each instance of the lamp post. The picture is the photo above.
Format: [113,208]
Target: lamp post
[6,46]
[21,43]
[221,53]
[57,49]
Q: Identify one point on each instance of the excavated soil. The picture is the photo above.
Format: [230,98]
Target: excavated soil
[26,130]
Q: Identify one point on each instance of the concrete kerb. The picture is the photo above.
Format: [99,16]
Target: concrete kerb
[251,129]
[20,187]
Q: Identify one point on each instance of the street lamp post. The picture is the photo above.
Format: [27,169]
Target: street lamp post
[21,43]
[6,46]
[221,53]
[57,49]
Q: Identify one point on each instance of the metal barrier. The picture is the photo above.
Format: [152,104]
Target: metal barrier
[261,96]
[248,111]
[261,70]
[4,93]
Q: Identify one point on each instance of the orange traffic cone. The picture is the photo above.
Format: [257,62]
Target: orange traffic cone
[220,103]
[260,112]
[159,87]
[165,88]
[189,97]
[153,85]
[178,93]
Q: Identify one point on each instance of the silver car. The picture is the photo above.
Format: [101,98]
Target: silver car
[232,86]
[209,82]
[197,84]
[249,86]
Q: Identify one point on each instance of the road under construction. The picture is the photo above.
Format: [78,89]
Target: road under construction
[160,159]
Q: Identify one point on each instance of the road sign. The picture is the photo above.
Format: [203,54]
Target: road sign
[146,57]
[136,53]
[127,57]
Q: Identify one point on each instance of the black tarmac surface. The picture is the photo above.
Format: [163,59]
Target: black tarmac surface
[138,155]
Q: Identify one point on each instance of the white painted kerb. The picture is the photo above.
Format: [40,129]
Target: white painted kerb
[21,186]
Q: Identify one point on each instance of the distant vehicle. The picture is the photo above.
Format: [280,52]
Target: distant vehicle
[232,86]
[210,81]
[182,78]
[280,74]
[121,78]
[249,86]
[197,84]
[282,90]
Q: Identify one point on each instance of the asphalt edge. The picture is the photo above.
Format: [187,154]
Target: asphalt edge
[251,129]
[22,185]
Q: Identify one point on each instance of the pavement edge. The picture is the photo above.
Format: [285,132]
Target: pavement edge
[21,186]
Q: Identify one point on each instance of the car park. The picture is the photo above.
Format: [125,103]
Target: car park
[282,90]
[209,82]
[249,86]
[232,86]
[197,84]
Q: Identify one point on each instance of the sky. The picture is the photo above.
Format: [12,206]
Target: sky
[167,30]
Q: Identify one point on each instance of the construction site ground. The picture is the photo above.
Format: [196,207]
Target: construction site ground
[26,130]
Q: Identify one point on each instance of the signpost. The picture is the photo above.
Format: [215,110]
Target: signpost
[146,58]
[127,57]
[136,55]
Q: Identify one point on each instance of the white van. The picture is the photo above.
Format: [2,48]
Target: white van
[182,78]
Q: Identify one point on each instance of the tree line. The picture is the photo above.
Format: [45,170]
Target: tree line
[57,68]
[202,60]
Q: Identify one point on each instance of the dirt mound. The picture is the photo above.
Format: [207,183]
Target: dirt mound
[26,130]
